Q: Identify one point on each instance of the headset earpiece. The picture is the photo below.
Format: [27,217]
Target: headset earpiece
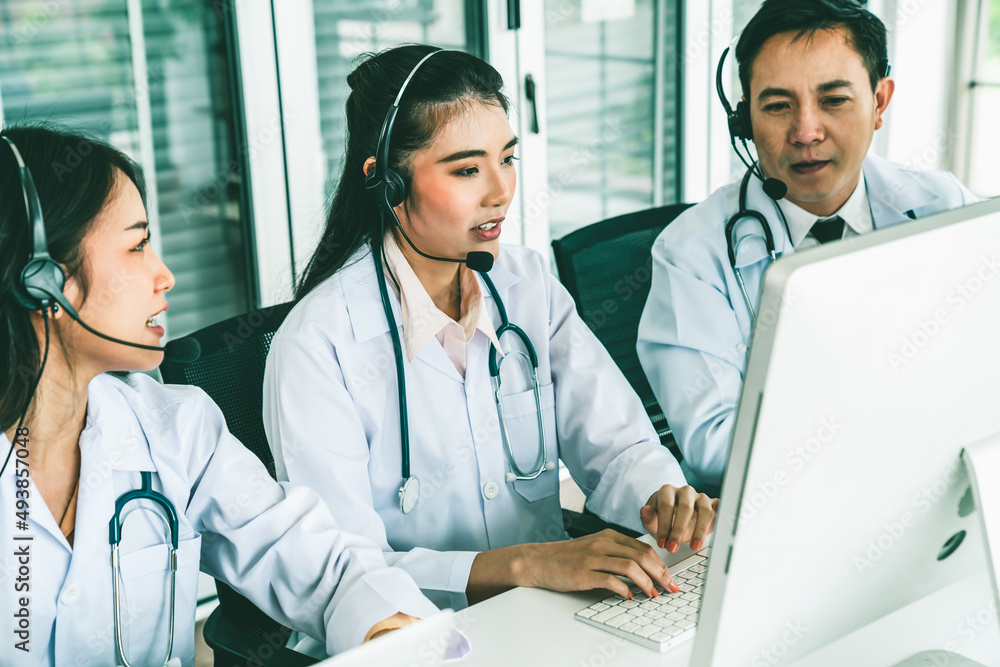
[42,279]
[41,284]
[384,185]
[741,118]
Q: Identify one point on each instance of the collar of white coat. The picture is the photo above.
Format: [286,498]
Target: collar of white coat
[422,319]
[856,214]
[892,192]
[364,303]
[111,433]
[113,428]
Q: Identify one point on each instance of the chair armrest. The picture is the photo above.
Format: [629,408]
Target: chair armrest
[578,524]
[233,647]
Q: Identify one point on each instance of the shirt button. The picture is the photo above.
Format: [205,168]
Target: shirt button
[741,348]
[470,389]
[70,595]
[490,490]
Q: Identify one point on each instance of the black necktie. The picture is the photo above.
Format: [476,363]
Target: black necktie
[828,230]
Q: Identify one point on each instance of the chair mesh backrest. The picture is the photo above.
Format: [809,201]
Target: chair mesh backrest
[231,371]
[607,268]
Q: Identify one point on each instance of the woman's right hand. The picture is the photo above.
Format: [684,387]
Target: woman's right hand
[591,562]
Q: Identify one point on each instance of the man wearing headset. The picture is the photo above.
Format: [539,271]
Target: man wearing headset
[815,87]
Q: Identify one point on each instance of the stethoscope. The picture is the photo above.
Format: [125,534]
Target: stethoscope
[745,212]
[409,491]
[168,517]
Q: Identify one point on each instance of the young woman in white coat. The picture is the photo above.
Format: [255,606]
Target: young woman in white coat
[76,439]
[463,514]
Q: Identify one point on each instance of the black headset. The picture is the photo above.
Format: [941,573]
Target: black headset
[40,286]
[738,121]
[385,185]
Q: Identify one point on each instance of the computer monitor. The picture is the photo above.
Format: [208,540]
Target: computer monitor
[874,362]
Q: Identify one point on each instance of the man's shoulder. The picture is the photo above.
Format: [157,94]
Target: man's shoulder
[892,181]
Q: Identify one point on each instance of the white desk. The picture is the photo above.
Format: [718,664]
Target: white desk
[526,627]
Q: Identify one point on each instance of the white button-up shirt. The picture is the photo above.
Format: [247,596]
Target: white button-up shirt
[275,543]
[331,415]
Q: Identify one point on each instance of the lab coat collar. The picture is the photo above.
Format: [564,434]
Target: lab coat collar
[364,302]
[117,438]
[892,192]
[111,440]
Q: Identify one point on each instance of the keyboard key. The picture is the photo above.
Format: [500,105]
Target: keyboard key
[636,612]
[614,599]
[608,614]
[630,627]
[647,630]
[586,613]
[664,623]
[690,596]
[690,561]
[686,610]
[698,568]
[654,615]
[628,604]
[686,588]
[617,621]
[676,616]
[706,552]
[684,625]
[642,620]
[598,606]
[660,636]
[677,602]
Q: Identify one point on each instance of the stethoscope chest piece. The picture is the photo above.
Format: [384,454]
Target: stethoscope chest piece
[409,493]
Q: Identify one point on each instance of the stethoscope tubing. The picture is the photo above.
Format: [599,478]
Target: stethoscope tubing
[409,491]
[742,213]
[170,526]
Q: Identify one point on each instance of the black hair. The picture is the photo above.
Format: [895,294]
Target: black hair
[443,87]
[74,175]
[865,32]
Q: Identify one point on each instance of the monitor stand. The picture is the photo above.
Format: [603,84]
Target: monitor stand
[982,463]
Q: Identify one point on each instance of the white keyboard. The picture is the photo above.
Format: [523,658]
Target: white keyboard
[658,623]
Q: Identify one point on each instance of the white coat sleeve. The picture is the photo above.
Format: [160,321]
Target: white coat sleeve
[280,547]
[605,437]
[692,349]
[319,441]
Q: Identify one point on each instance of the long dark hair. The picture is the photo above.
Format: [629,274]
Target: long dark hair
[74,175]
[442,87]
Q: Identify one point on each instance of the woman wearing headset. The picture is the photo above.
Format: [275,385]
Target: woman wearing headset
[78,439]
[465,495]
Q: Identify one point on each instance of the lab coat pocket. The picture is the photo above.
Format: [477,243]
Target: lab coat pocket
[144,589]
[521,415]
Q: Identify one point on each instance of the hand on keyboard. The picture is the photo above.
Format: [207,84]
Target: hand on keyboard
[677,515]
[591,562]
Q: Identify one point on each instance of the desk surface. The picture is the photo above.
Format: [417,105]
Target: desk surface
[529,627]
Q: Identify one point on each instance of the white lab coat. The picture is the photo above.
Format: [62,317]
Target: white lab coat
[331,415]
[276,543]
[695,328]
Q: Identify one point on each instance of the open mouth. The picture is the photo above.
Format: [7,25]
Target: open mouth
[809,167]
[155,320]
[486,227]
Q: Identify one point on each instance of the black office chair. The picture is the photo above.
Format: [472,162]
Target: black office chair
[607,268]
[231,371]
